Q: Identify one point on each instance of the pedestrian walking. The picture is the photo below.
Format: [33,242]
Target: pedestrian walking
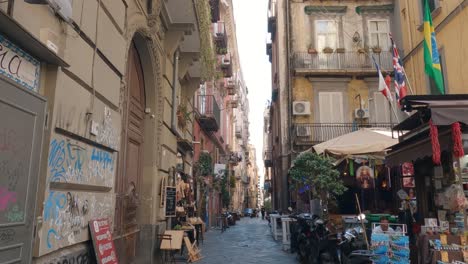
[263,213]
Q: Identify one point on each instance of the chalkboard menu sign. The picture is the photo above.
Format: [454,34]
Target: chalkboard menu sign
[170,201]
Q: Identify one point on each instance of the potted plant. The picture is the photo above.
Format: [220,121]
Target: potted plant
[327,50]
[311,50]
[376,49]
[340,50]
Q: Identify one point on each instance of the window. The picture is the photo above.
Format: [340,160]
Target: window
[378,34]
[433,4]
[331,107]
[326,34]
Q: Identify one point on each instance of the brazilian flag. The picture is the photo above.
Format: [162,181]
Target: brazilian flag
[431,53]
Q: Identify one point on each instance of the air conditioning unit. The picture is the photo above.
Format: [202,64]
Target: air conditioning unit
[301,108]
[303,131]
[361,113]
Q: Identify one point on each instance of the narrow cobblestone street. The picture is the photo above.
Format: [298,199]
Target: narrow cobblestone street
[249,241]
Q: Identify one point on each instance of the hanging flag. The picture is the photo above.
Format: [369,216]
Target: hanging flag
[398,71]
[383,88]
[431,53]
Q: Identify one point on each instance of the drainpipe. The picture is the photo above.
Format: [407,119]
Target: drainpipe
[175,74]
[288,46]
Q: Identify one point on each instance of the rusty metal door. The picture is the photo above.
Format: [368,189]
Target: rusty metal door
[22,115]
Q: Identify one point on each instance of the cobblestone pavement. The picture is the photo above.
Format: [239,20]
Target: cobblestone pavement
[249,241]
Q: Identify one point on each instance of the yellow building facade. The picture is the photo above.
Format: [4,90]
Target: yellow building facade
[449,20]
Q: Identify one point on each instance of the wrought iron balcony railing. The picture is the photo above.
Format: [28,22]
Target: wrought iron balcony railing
[315,133]
[353,62]
[208,113]
[220,37]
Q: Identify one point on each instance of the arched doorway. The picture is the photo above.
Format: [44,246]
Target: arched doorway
[131,160]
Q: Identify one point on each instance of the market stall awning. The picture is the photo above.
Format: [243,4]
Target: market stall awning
[359,142]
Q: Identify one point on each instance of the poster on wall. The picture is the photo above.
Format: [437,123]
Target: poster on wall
[407,169]
[219,170]
[408,182]
[102,241]
[365,177]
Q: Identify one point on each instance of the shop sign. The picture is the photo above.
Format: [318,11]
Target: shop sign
[102,241]
[19,66]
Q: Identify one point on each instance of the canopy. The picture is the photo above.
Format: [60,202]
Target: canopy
[364,141]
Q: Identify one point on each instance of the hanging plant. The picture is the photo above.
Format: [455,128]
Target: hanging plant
[207,54]
[204,164]
[182,116]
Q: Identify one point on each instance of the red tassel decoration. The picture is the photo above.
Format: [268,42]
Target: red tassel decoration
[435,143]
[457,140]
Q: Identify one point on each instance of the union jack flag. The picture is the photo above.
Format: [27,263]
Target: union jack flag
[399,72]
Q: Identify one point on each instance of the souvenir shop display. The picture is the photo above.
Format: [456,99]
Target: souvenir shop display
[390,248]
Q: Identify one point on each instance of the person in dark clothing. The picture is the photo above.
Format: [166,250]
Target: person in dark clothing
[263,212]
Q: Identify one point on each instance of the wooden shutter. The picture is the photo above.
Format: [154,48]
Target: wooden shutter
[331,107]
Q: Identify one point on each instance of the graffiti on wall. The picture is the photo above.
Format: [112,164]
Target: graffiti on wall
[76,162]
[108,135]
[13,157]
[66,216]
[67,212]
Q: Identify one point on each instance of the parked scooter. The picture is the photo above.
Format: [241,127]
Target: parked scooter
[312,241]
[351,248]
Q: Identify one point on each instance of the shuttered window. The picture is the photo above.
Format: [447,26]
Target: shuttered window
[331,107]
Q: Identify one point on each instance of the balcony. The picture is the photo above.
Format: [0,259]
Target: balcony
[234,102]
[220,37]
[238,131]
[230,85]
[315,133]
[214,5]
[268,158]
[225,65]
[341,63]
[208,113]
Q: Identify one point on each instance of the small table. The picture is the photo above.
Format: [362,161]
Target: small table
[176,240]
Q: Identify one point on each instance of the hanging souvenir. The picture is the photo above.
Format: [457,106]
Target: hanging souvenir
[351,168]
[365,177]
[407,169]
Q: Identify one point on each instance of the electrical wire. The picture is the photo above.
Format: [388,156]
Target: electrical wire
[91,111]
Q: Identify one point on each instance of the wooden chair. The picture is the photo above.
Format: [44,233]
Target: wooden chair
[194,254]
[165,256]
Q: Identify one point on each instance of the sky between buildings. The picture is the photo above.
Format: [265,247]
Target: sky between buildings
[251,29]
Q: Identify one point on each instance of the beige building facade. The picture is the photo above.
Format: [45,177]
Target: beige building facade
[111,74]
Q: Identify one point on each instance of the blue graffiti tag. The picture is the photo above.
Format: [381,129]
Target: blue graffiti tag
[56,159]
[51,232]
[103,157]
[55,202]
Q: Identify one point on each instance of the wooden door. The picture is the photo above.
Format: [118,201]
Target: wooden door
[128,181]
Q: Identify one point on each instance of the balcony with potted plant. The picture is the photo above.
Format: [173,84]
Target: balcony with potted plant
[225,65]
[218,30]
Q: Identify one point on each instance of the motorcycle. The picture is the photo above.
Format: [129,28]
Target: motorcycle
[351,248]
[312,240]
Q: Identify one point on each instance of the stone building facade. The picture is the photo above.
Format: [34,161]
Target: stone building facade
[108,78]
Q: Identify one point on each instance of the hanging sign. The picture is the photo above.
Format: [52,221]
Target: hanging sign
[102,241]
[19,66]
[365,177]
